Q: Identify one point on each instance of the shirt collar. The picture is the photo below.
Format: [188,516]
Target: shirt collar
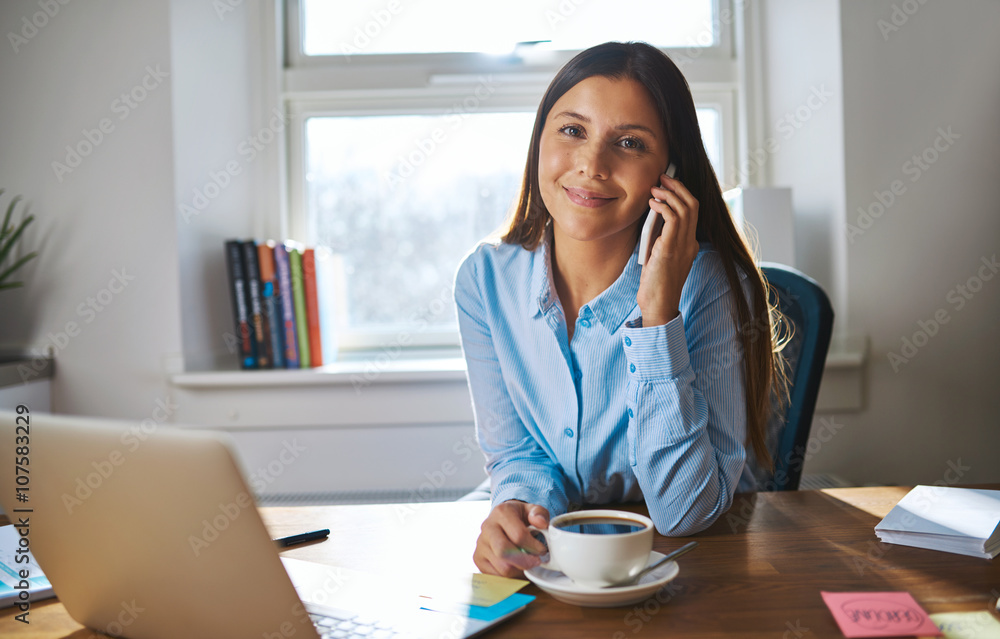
[611,308]
[542,284]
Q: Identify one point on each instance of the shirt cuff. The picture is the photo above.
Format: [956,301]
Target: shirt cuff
[657,352]
[550,502]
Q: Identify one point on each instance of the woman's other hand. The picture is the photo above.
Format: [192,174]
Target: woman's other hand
[506,547]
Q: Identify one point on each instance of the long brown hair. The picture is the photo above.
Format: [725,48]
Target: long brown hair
[671,94]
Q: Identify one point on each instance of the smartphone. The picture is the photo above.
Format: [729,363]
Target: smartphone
[646,237]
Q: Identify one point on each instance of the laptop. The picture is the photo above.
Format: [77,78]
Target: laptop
[153,534]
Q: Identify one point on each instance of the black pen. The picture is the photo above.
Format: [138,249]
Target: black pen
[285,542]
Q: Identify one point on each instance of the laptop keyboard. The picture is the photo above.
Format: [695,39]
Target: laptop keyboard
[343,624]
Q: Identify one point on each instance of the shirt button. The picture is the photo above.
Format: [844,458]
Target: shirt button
[568,432]
[578,374]
[630,413]
[628,341]
[585,323]
[631,367]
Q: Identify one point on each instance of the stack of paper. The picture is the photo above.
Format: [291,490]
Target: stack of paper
[959,520]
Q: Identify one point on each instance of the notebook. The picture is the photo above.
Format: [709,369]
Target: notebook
[153,534]
[958,520]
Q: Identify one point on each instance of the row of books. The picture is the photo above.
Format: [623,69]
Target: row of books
[281,317]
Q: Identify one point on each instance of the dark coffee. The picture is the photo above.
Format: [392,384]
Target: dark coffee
[600,526]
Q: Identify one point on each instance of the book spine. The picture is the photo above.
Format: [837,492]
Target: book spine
[283,266]
[299,294]
[328,287]
[238,295]
[256,310]
[312,306]
[272,304]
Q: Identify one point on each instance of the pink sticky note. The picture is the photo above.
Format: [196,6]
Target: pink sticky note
[879,614]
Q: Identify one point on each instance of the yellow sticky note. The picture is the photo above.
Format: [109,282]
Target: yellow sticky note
[967,625]
[490,589]
[474,589]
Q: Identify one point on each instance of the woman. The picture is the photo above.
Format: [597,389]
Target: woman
[596,380]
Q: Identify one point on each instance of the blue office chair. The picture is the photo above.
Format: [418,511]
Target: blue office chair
[809,318]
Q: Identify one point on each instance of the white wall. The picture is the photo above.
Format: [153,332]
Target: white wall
[113,213]
[802,103]
[221,178]
[940,410]
[937,71]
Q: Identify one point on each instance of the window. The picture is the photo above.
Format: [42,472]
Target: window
[372,27]
[401,198]
[411,123]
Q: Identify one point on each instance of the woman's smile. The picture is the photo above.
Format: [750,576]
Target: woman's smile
[589,199]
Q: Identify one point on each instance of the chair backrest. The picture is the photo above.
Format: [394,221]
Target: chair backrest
[809,314]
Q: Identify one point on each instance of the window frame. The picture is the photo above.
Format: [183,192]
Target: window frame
[405,84]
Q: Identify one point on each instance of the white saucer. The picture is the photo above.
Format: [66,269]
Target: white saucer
[562,587]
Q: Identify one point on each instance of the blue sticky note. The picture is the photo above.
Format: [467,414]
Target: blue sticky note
[482,613]
[497,610]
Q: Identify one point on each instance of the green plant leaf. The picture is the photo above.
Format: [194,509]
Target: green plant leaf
[8,245]
[18,264]
[10,234]
[10,211]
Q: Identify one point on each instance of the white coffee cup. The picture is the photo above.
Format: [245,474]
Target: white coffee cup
[598,548]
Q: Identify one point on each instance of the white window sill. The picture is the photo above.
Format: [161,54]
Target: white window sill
[842,389]
[372,370]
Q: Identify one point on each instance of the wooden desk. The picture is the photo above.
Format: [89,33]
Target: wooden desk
[758,572]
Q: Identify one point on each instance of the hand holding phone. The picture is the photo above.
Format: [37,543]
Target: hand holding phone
[646,238]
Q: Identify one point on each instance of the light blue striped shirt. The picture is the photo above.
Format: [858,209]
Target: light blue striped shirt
[620,413]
